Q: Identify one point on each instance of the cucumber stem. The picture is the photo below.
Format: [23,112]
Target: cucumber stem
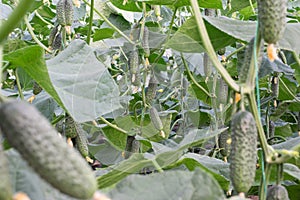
[113,125]
[261,134]
[193,79]
[88,37]
[30,30]
[19,85]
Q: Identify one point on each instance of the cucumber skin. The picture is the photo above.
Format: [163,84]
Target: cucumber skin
[272,19]
[65,12]
[277,192]
[243,151]
[38,142]
[243,70]
[5,183]
[70,127]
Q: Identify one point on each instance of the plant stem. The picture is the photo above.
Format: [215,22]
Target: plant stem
[19,85]
[113,125]
[264,182]
[110,24]
[209,48]
[235,52]
[88,37]
[42,19]
[261,134]
[288,90]
[14,19]
[30,29]
[296,57]
[57,119]
[192,77]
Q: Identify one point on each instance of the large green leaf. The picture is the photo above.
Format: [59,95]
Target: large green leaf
[168,185]
[83,83]
[187,38]
[216,167]
[224,31]
[240,4]
[202,3]
[135,6]
[245,30]
[31,59]
[163,157]
[119,171]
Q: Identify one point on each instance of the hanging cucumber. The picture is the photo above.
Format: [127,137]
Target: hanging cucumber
[151,89]
[243,151]
[272,19]
[70,127]
[277,192]
[243,70]
[6,192]
[145,42]
[134,67]
[64,12]
[272,22]
[27,130]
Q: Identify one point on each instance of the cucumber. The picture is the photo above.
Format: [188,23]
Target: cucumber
[243,151]
[277,192]
[70,127]
[151,90]
[6,192]
[145,42]
[275,86]
[134,67]
[224,141]
[272,19]
[222,91]
[221,52]
[52,35]
[36,88]
[243,70]
[81,141]
[155,119]
[64,12]
[57,43]
[28,131]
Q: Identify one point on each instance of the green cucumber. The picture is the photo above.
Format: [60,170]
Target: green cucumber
[81,141]
[6,192]
[243,151]
[70,127]
[64,12]
[243,70]
[145,42]
[224,141]
[155,119]
[151,89]
[134,67]
[272,19]
[36,88]
[27,130]
[277,192]
[221,91]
